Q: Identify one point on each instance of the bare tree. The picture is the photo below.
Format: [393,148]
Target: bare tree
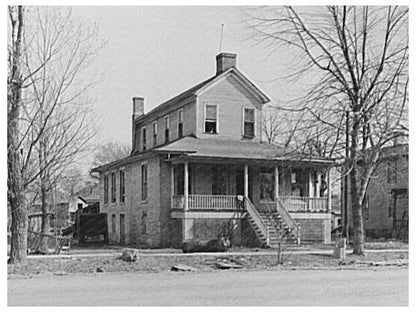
[15,195]
[109,152]
[53,125]
[356,62]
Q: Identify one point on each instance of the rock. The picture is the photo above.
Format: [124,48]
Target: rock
[129,255]
[213,245]
[100,270]
[183,267]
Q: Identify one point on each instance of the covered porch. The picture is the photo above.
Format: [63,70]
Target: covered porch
[213,186]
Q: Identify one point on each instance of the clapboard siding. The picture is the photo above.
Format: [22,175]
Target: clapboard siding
[231,98]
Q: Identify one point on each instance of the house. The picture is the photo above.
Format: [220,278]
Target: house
[199,170]
[86,200]
[386,212]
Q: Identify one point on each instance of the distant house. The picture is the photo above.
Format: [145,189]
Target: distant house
[86,200]
[199,169]
[386,206]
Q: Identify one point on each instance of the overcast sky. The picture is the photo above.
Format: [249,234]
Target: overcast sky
[159,52]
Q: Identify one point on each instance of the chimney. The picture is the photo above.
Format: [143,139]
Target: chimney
[225,61]
[138,107]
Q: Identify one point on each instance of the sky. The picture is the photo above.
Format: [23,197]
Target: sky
[159,52]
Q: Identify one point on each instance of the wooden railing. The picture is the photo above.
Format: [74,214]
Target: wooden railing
[207,202]
[288,219]
[254,214]
[304,204]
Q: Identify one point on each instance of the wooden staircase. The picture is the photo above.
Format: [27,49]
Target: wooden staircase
[273,226]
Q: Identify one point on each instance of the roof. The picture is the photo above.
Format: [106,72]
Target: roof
[233,149]
[195,90]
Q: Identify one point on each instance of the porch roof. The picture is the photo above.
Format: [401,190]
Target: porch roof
[233,149]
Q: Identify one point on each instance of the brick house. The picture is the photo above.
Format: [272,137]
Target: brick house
[199,169]
[387,208]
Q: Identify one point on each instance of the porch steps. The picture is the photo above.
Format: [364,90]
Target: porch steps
[275,227]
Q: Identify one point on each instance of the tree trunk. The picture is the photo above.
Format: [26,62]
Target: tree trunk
[14,180]
[356,203]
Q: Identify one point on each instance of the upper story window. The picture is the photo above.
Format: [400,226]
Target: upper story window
[167,125]
[211,118]
[154,128]
[122,187]
[180,123]
[144,138]
[106,189]
[144,182]
[392,171]
[249,121]
[113,187]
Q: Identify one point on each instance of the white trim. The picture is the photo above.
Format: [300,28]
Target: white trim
[243,120]
[242,79]
[164,121]
[217,120]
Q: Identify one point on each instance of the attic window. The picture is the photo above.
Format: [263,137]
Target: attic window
[211,118]
[249,121]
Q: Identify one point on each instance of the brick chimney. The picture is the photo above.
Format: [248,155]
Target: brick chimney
[138,107]
[225,61]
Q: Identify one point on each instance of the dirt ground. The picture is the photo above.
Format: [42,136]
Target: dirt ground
[83,262]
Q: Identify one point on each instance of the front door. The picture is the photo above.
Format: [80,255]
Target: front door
[122,230]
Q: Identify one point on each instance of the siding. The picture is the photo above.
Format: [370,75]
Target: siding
[231,98]
[189,126]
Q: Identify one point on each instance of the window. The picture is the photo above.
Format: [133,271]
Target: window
[154,127]
[144,138]
[249,122]
[211,118]
[180,123]
[143,222]
[105,189]
[113,223]
[167,129]
[392,171]
[144,182]
[267,184]
[122,187]
[113,187]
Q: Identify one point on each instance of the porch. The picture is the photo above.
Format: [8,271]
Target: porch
[227,203]
[214,187]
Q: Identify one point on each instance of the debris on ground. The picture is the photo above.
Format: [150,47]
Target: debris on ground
[129,255]
[100,270]
[183,267]
[403,262]
[228,263]
[60,273]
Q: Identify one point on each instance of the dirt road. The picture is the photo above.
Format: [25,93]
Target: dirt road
[241,288]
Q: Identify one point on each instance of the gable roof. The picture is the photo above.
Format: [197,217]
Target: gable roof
[233,149]
[201,87]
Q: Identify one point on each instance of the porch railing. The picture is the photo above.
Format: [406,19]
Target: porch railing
[306,204]
[206,202]
[258,220]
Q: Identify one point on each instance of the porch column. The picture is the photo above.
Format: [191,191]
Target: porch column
[172,185]
[276,183]
[311,189]
[329,189]
[318,184]
[185,190]
[246,180]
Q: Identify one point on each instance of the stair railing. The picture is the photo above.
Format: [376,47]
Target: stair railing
[288,219]
[258,220]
